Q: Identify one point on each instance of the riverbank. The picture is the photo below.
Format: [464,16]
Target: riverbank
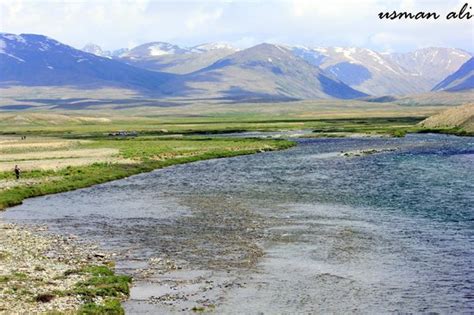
[42,273]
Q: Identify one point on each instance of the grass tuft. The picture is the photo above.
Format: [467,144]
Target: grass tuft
[110,306]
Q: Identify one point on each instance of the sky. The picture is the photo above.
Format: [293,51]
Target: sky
[115,24]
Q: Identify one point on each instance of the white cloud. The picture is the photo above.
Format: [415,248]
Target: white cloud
[203,17]
[389,41]
[245,42]
[334,8]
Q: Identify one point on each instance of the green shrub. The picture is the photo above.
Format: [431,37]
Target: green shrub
[110,307]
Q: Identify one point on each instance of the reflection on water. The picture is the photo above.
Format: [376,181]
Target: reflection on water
[302,230]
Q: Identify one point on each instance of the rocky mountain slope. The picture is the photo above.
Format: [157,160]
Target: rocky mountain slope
[461,80]
[384,73]
[36,60]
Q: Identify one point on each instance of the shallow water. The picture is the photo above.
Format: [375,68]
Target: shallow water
[303,230]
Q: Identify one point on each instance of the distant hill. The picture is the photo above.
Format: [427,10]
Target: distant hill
[98,51]
[36,60]
[461,80]
[461,117]
[159,56]
[443,98]
[431,65]
[264,71]
[382,74]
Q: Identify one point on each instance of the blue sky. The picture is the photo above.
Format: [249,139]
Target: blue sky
[115,24]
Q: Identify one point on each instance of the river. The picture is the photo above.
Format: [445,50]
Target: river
[306,230]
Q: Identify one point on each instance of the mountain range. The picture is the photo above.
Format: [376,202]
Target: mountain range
[363,69]
[217,70]
[387,73]
[36,60]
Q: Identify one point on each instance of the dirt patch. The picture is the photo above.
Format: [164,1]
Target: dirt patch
[52,154]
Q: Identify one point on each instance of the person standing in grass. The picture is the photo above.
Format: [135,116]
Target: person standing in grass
[17,172]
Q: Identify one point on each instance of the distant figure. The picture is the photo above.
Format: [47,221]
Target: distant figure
[17,172]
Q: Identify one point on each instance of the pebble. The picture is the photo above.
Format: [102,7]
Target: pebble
[36,262]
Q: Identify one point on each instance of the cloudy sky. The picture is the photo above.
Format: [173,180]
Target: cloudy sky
[115,24]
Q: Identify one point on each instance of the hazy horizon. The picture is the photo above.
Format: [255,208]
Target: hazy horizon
[126,24]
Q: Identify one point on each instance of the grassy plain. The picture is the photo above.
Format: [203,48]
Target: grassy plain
[71,112]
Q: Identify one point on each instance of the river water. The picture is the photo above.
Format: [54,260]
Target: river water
[306,230]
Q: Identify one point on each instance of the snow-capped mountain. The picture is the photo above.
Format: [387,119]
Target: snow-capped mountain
[120,52]
[361,68]
[96,50]
[383,73]
[264,71]
[431,64]
[160,56]
[37,60]
[212,46]
[158,49]
[154,49]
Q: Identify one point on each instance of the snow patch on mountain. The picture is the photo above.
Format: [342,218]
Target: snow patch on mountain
[14,57]
[4,46]
[44,46]
[157,51]
[211,46]
[12,37]
[160,49]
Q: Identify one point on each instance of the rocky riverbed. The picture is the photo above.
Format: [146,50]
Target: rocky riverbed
[38,271]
